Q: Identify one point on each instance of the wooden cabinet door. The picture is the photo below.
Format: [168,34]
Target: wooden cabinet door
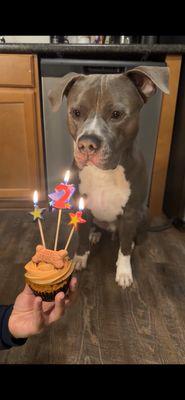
[19,172]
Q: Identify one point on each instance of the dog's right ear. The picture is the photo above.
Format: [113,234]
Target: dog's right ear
[56,95]
[147,79]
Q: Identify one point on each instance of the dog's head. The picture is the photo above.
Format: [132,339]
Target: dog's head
[103,110]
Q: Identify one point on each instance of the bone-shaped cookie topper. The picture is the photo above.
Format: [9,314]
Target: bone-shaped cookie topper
[50,256]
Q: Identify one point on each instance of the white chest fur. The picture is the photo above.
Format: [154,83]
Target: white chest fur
[107,191]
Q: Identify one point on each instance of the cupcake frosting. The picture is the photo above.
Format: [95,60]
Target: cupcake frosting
[44,273]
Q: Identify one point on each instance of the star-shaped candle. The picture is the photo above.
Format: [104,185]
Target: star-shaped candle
[37,215]
[76,219]
[60,200]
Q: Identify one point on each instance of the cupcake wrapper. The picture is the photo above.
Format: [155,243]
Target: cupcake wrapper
[46,296]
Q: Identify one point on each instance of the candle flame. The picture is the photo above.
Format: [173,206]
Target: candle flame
[67,176]
[81,204]
[35,197]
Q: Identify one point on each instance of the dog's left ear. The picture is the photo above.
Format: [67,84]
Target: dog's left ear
[147,79]
[56,95]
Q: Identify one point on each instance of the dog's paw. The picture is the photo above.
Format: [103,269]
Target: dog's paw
[124,276]
[80,262]
[124,279]
[94,237]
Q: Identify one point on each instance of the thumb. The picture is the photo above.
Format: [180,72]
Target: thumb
[27,290]
[38,314]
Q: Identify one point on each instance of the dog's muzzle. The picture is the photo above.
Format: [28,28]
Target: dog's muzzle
[91,149]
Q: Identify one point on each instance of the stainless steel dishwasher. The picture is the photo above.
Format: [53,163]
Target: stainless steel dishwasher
[58,142]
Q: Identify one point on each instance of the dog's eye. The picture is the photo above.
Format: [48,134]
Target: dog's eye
[116,114]
[76,112]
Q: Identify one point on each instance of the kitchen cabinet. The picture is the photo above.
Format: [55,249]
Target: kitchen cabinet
[165,132]
[21,146]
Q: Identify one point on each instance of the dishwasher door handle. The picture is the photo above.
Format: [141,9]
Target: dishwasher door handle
[49,64]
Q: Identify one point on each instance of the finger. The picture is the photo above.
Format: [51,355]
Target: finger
[72,294]
[59,296]
[59,307]
[38,313]
[27,290]
[48,306]
[73,284]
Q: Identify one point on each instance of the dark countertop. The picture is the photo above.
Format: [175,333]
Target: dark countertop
[65,50]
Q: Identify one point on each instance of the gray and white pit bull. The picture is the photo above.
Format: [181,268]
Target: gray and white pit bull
[103,119]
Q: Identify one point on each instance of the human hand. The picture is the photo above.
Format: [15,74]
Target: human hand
[31,315]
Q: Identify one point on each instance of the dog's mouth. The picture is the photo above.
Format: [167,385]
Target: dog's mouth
[95,159]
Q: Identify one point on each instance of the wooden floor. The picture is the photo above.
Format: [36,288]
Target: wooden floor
[145,324]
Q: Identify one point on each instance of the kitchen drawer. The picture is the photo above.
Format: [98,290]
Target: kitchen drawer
[16,70]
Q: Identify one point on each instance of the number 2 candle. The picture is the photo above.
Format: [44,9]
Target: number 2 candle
[60,200]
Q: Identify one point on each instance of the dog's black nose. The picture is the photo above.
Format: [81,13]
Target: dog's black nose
[89,144]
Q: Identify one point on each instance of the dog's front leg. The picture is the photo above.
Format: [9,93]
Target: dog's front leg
[127,227]
[83,249]
[124,276]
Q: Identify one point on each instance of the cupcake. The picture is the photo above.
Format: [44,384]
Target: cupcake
[49,272]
